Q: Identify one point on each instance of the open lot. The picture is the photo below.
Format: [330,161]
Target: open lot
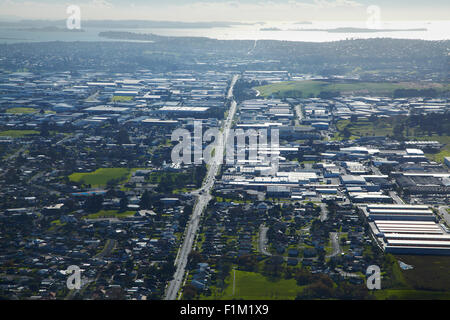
[101,176]
[254,286]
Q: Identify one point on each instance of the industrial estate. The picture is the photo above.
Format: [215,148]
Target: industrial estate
[88,181]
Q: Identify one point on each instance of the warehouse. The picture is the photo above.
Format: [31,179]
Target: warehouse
[412,237]
[172,109]
[399,214]
[353,180]
[421,247]
[106,109]
[407,227]
[365,197]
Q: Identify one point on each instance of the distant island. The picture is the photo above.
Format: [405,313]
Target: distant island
[270,29]
[51,29]
[359,30]
[122,24]
[123,35]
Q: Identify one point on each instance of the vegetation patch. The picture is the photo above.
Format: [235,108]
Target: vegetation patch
[121,99]
[101,176]
[317,88]
[18,133]
[110,214]
[254,286]
[21,110]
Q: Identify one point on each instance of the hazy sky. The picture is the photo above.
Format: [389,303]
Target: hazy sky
[228,10]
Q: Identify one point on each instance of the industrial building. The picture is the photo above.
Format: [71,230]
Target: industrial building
[412,237]
[398,212]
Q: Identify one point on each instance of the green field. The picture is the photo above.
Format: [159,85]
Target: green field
[254,286]
[110,214]
[429,279]
[101,176]
[429,273]
[363,128]
[121,99]
[17,133]
[20,110]
[312,88]
[392,294]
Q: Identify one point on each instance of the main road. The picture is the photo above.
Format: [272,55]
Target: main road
[202,201]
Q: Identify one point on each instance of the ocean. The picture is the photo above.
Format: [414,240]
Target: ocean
[435,30]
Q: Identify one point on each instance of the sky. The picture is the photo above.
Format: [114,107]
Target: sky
[228,10]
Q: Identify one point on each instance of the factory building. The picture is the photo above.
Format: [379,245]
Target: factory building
[409,236]
[398,212]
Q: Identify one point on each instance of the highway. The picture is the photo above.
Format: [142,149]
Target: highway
[202,201]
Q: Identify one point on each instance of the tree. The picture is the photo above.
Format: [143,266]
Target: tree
[146,200]
[93,204]
[123,204]
[398,131]
[44,129]
[190,292]
[194,258]
[123,137]
[346,132]
[247,262]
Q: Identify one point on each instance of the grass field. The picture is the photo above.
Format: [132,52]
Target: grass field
[17,133]
[21,110]
[101,176]
[362,128]
[309,88]
[392,294]
[429,273]
[121,99]
[110,214]
[254,286]
[429,279]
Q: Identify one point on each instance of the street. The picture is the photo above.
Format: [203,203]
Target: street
[203,199]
